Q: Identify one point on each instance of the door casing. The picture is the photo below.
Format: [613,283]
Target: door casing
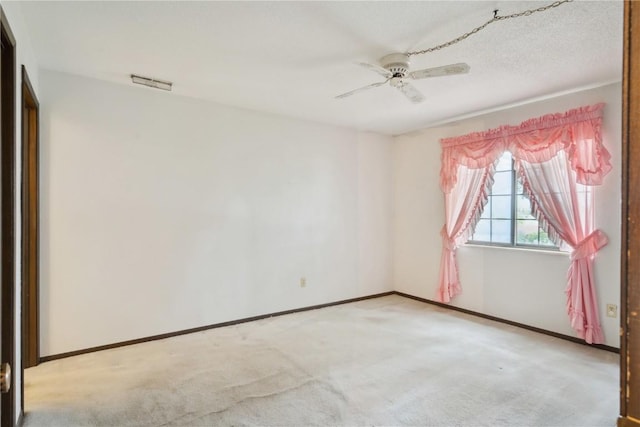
[7,214]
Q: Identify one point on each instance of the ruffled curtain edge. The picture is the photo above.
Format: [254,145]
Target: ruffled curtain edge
[547,121]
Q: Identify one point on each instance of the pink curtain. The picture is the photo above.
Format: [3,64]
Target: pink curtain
[463,206]
[567,215]
[553,153]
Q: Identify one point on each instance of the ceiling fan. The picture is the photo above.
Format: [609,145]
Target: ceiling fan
[395,69]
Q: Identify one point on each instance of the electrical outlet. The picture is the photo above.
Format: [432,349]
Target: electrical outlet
[612,310]
[303,282]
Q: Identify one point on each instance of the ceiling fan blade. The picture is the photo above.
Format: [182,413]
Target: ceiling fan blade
[411,92]
[446,70]
[375,69]
[362,89]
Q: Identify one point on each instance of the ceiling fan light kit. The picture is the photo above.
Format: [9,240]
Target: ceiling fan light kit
[395,66]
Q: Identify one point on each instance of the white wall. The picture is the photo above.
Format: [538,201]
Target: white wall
[24,56]
[522,286]
[162,213]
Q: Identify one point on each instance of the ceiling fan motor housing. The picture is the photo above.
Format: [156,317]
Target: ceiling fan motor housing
[396,63]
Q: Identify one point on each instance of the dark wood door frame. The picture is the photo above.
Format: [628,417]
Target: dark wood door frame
[7,212]
[30,221]
[630,236]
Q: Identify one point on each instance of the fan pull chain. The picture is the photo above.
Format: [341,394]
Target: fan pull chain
[495,18]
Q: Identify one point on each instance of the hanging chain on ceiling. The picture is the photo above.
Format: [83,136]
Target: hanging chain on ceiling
[495,18]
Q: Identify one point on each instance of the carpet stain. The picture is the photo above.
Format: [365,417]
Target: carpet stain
[388,361]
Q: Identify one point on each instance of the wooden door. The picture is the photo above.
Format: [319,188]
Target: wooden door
[7,223]
[30,231]
[630,245]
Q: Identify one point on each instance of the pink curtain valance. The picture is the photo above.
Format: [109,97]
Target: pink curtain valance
[576,131]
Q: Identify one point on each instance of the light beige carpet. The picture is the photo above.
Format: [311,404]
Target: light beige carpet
[384,361]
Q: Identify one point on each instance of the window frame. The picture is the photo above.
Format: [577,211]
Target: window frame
[513,244]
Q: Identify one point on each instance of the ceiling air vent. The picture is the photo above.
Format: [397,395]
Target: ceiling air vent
[154,83]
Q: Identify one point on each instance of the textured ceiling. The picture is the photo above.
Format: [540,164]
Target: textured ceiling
[292,58]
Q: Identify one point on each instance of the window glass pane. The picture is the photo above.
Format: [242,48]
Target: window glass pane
[501,207]
[486,213]
[502,182]
[504,162]
[544,239]
[501,231]
[523,208]
[527,232]
[497,224]
[483,231]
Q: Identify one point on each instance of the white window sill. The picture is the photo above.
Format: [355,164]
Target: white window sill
[518,249]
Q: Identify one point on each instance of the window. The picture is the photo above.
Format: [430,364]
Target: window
[507,219]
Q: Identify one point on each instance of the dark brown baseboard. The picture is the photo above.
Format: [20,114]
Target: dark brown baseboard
[315,307]
[512,323]
[204,328]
